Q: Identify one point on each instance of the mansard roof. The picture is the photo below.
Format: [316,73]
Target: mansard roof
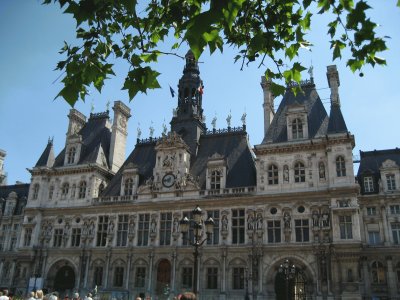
[21,190]
[316,114]
[371,161]
[47,157]
[231,145]
[95,134]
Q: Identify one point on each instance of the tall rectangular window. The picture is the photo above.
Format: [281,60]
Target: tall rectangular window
[1,243]
[165,228]
[102,228]
[368,184]
[187,277]
[274,231]
[371,211]
[214,237]
[238,278]
[391,182]
[396,233]
[143,229]
[122,231]
[238,226]
[140,277]
[302,229]
[13,243]
[57,238]
[98,276]
[346,227]
[76,237]
[395,209]
[118,276]
[190,235]
[374,238]
[212,278]
[27,237]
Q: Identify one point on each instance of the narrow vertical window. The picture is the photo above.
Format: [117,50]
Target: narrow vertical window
[143,229]
[51,192]
[299,172]
[140,277]
[212,278]
[82,189]
[64,189]
[368,184]
[396,233]
[346,227]
[102,228]
[214,237]
[238,227]
[128,187]
[273,175]
[57,238]
[215,181]
[165,228]
[118,276]
[27,237]
[274,231]
[35,194]
[76,237]
[187,277]
[122,231]
[238,278]
[302,229]
[390,182]
[71,155]
[378,272]
[297,129]
[340,166]
[98,276]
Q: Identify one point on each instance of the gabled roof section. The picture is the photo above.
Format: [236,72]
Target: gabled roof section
[234,148]
[47,157]
[371,161]
[336,121]
[95,133]
[316,114]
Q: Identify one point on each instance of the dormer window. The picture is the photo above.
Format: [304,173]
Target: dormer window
[71,155]
[82,190]
[215,180]
[65,189]
[128,187]
[297,129]
[35,191]
[368,184]
[390,182]
[299,172]
[340,166]
[101,188]
[273,174]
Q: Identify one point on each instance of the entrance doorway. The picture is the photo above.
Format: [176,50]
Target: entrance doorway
[64,280]
[163,279]
[293,288]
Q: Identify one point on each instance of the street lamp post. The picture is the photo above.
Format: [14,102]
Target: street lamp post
[197,224]
[288,272]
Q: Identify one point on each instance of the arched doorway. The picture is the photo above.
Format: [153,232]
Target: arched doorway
[64,280]
[163,279]
[292,288]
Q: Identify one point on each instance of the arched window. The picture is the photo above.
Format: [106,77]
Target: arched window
[273,174]
[101,188]
[297,129]
[65,189]
[215,182]
[35,191]
[128,187]
[340,166]
[299,172]
[71,155]
[82,190]
[378,272]
[51,192]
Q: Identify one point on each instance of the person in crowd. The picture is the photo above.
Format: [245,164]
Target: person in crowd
[5,295]
[39,295]
[188,296]
[31,296]
[138,298]
[76,297]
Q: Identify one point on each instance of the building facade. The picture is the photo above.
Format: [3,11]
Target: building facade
[95,220]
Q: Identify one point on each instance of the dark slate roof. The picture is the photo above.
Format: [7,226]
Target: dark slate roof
[336,121]
[22,191]
[47,157]
[371,161]
[233,146]
[316,113]
[94,134]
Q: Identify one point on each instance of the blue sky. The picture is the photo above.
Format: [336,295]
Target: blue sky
[32,35]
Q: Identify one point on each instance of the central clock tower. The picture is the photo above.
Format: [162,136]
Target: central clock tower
[188,119]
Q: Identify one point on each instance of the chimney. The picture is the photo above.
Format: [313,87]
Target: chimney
[268,104]
[334,83]
[118,135]
[76,122]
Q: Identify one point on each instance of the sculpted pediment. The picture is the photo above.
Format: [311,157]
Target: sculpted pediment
[387,164]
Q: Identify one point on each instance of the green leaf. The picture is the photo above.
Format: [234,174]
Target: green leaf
[277,89]
[140,80]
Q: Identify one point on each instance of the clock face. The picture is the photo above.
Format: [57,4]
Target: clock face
[168,180]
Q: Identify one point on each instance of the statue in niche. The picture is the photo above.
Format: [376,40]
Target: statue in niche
[85,228]
[250,222]
[111,227]
[325,219]
[285,173]
[91,228]
[153,226]
[131,225]
[286,220]
[315,218]
[175,226]
[321,170]
[259,221]
[224,222]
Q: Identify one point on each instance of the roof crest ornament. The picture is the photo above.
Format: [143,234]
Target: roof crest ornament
[139,132]
[151,129]
[229,118]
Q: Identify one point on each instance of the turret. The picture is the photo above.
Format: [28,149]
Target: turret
[118,136]
[268,104]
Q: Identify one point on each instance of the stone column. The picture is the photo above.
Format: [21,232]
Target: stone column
[108,259]
[173,284]
[1,268]
[391,278]
[386,235]
[367,282]
[223,275]
[151,258]
[88,260]
[10,282]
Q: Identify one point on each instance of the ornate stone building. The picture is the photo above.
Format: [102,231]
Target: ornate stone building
[94,219]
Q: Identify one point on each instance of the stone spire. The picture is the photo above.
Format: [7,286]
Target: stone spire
[334,83]
[268,103]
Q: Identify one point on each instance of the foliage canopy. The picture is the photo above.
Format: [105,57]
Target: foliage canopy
[260,31]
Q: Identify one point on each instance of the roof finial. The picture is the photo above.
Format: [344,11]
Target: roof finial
[151,129]
[244,117]
[108,105]
[311,72]
[229,118]
[214,121]
[139,132]
[92,107]
[164,132]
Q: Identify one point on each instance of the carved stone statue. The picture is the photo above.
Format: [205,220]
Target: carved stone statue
[285,173]
[286,220]
[224,222]
[153,226]
[175,226]
[228,119]
[259,222]
[250,222]
[315,218]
